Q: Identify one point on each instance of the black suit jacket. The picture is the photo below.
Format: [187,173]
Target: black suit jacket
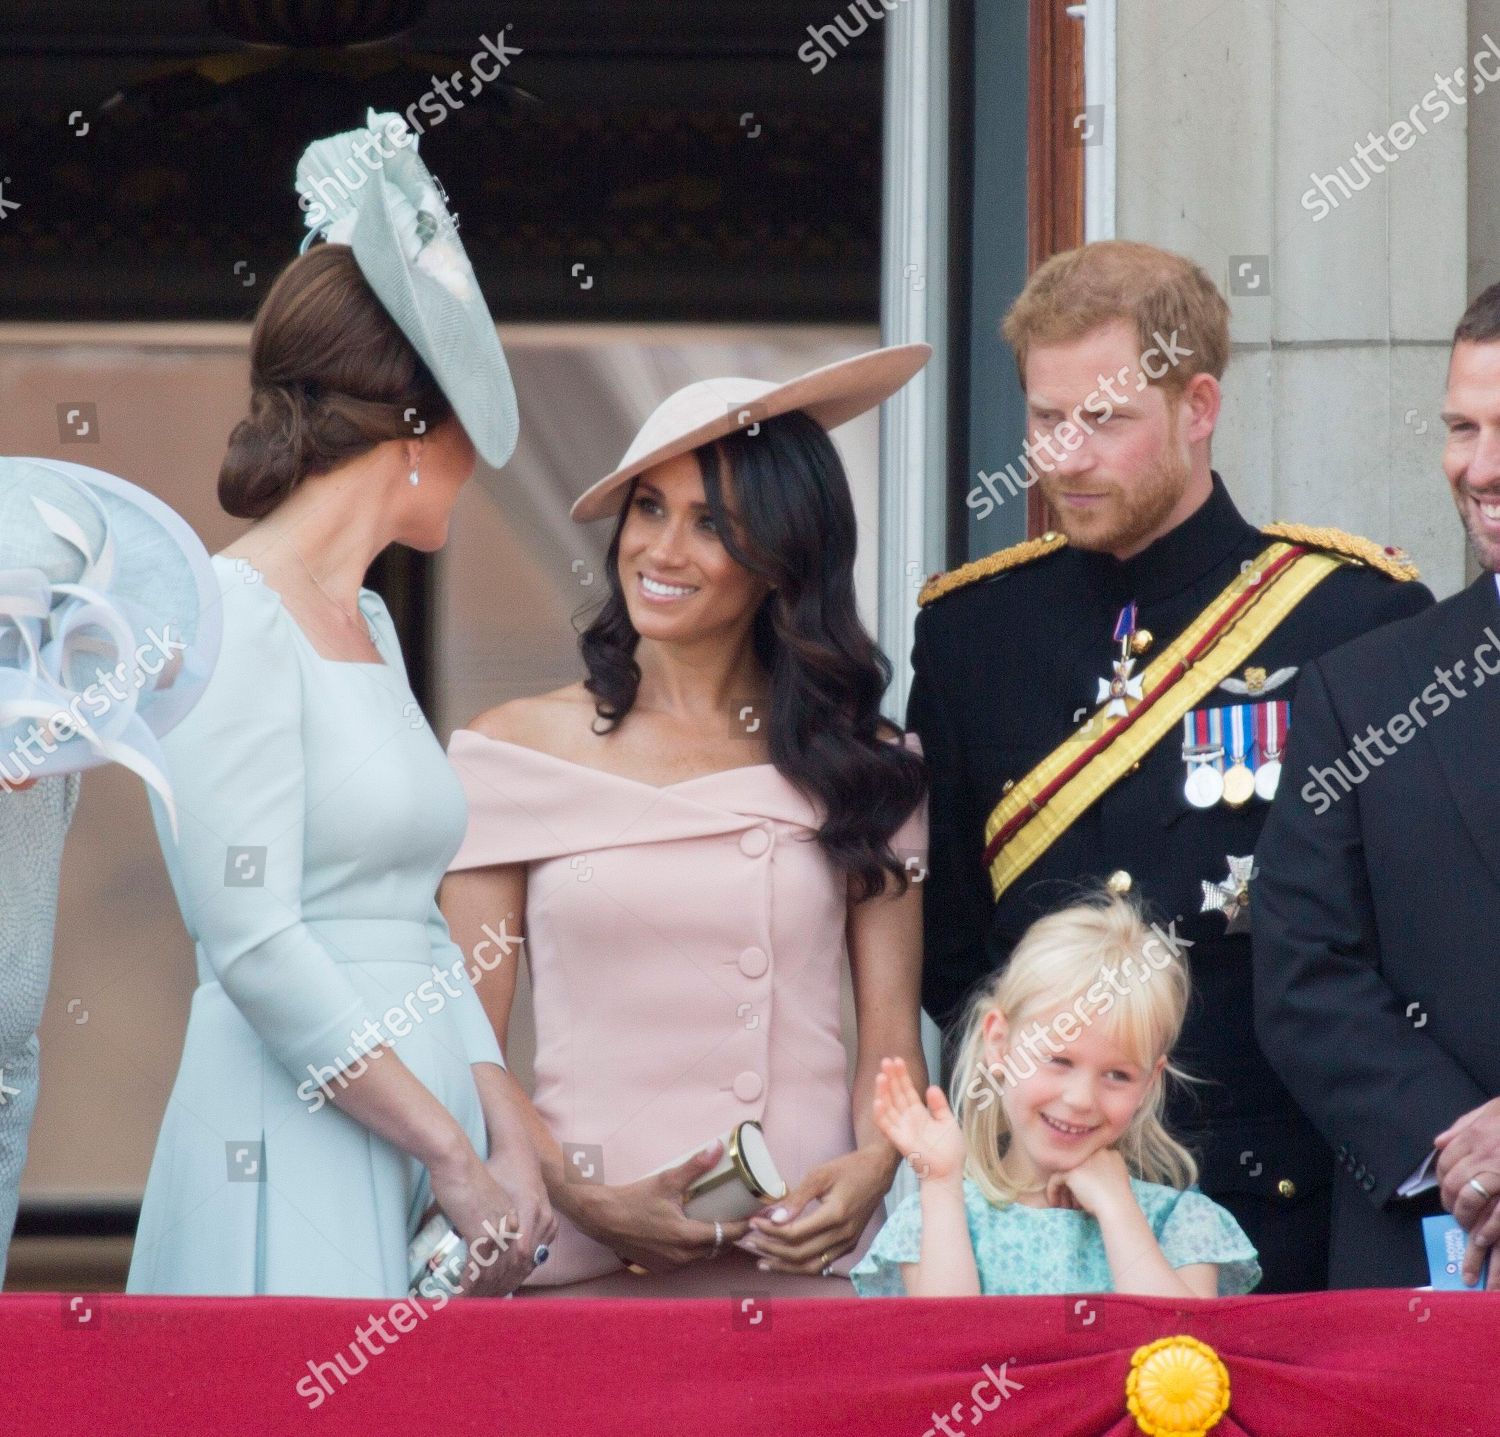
[1377,980]
[1002,668]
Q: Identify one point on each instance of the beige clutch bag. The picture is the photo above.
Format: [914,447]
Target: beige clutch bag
[742,1182]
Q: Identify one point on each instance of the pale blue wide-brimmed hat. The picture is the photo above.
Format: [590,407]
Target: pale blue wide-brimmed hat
[109,623]
[368,189]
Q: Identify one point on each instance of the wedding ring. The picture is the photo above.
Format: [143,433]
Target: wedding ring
[542,1253]
[827,1271]
[827,1264]
[1479,1188]
[718,1239]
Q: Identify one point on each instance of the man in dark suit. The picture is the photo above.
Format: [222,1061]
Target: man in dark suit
[1023,651]
[1376,972]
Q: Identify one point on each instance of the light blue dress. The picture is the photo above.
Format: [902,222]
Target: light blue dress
[317,814]
[1021,1251]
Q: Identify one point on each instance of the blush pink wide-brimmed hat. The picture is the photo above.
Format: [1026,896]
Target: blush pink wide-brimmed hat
[711,408]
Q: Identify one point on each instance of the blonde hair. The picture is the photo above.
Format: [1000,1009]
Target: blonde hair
[1161,293]
[1068,960]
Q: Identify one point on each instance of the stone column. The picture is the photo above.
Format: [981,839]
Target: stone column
[1317,167]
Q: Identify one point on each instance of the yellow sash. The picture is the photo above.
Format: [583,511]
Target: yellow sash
[1038,809]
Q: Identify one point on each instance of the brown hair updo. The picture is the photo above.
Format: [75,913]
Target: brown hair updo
[331,376]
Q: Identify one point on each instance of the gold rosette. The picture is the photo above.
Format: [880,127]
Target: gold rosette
[1177,1387]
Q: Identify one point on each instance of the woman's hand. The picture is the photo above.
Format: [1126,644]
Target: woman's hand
[486,1215]
[1097,1185]
[929,1136]
[513,1160]
[643,1222]
[519,1174]
[845,1191]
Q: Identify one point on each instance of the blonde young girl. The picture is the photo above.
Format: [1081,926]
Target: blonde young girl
[1052,1171]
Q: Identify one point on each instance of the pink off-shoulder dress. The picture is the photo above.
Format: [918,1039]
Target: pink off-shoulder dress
[686,944]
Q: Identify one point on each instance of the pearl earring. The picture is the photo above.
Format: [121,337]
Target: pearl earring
[413,478]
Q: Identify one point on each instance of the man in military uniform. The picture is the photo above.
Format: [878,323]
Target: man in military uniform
[1108,703]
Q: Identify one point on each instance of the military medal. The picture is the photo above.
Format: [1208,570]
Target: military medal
[1239,784]
[1231,895]
[1202,749]
[1205,785]
[1117,691]
[1270,737]
[1239,781]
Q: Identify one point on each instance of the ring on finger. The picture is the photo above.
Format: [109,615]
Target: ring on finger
[718,1239]
[1480,1188]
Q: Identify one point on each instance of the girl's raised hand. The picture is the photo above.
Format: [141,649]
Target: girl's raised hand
[927,1135]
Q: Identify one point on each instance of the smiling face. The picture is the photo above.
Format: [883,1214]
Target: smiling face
[679,581]
[1471,458]
[1063,1106]
[1144,468]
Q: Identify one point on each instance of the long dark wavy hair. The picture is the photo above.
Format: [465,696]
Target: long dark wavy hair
[796,529]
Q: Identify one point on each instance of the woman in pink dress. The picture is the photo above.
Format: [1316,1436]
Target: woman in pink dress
[687,847]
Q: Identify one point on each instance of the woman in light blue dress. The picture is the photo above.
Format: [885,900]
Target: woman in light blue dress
[338,1073]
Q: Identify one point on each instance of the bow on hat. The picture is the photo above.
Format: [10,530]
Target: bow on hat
[47,626]
[426,232]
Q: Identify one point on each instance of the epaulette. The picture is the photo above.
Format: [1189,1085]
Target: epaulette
[997,563]
[1388,559]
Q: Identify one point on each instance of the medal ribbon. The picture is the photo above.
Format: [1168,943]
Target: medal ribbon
[1270,729]
[1239,728]
[1039,808]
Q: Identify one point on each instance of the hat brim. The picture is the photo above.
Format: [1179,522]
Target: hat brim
[832,395]
[162,579]
[455,340]
[445,319]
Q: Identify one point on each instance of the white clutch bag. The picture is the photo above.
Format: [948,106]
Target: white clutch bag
[742,1182]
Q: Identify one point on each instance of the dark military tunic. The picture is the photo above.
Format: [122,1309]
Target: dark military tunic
[1005,669]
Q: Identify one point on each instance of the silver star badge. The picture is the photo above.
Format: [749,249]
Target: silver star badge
[1231,896]
[1114,692]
